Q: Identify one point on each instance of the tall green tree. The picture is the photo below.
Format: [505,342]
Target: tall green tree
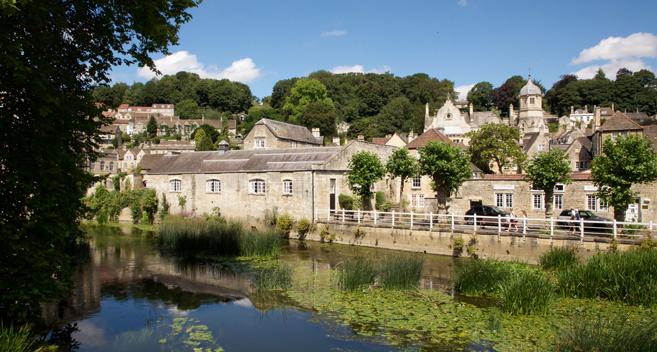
[188,109]
[447,166]
[546,170]
[366,169]
[495,142]
[396,116]
[625,161]
[480,96]
[319,115]
[52,53]
[304,92]
[401,164]
[151,127]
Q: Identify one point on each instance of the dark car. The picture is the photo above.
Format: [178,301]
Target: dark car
[592,222]
[485,210]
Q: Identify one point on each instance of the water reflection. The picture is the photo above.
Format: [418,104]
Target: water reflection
[130,297]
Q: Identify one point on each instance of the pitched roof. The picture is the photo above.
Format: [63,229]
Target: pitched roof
[528,141]
[620,122]
[380,140]
[637,115]
[430,135]
[256,160]
[289,131]
[149,160]
[585,142]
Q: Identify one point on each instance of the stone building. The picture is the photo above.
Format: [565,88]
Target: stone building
[618,125]
[530,115]
[272,134]
[246,184]
[395,140]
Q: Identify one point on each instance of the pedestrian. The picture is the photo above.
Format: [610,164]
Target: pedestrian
[571,223]
[512,221]
[524,220]
[576,217]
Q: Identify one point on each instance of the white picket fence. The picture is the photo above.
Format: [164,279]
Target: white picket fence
[553,226]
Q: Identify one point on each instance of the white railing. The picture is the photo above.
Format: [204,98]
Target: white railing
[500,224]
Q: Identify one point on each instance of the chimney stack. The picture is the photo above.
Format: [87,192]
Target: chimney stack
[471,110]
[612,108]
[572,109]
[202,118]
[316,132]
[596,124]
[586,108]
[336,140]
[426,112]
[361,137]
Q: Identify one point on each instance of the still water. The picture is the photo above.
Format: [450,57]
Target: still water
[132,298]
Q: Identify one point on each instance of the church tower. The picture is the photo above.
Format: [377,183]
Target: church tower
[530,117]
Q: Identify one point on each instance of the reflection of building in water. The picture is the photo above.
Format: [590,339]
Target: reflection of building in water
[84,300]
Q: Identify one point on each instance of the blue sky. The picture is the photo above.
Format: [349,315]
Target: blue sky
[465,41]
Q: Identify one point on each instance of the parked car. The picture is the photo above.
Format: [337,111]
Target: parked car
[485,210]
[592,222]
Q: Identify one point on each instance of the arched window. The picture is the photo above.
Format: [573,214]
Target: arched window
[287,186]
[111,165]
[258,186]
[175,185]
[102,165]
[213,186]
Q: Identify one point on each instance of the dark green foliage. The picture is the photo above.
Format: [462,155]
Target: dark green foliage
[188,109]
[497,143]
[200,237]
[627,277]
[401,271]
[164,210]
[558,258]
[115,142]
[526,293]
[151,127]
[380,199]
[401,164]
[396,116]
[272,277]
[205,144]
[366,169]
[599,335]
[447,166]
[480,277]
[349,202]
[208,130]
[507,94]
[17,340]
[356,273]
[319,115]
[545,170]
[480,96]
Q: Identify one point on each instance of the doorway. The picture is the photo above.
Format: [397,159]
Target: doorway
[332,195]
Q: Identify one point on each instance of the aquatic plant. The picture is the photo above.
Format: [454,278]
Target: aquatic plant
[17,340]
[260,244]
[619,276]
[357,272]
[272,277]
[618,335]
[479,277]
[526,293]
[401,271]
[189,236]
[558,258]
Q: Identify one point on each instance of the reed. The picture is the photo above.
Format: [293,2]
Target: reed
[356,273]
[610,336]
[526,293]
[401,271]
[273,277]
[618,276]
[261,244]
[17,340]
[479,277]
[558,258]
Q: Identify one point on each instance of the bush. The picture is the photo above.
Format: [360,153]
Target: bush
[459,244]
[609,336]
[178,136]
[558,258]
[380,200]
[479,277]
[156,140]
[356,273]
[20,340]
[526,293]
[284,223]
[401,271]
[164,210]
[348,202]
[304,226]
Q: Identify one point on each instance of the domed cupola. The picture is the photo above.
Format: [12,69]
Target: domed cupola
[531,107]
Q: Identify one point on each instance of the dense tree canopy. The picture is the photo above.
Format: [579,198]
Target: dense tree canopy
[480,96]
[304,92]
[447,166]
[319,115]
[545,170]
[366,169]
[401,164]
[497,143]
[52,52]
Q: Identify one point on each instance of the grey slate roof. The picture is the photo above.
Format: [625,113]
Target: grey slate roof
[528,141]
[637,116]
[150,160]
[289,131]
[257,160]
[530,88]
[620,122]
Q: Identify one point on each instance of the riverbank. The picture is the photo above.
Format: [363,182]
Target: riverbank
[153,227]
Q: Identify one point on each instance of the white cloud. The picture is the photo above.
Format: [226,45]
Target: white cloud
[464,90]
[243,70]
[463,2]
[359,69]
[333,33]
[612,67]
[244,302]
[614,48]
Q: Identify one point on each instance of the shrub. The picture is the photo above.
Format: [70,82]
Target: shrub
[272,215]
[164,211]
[349,202]
[609,336]
[385,207]
[20,340]
[138,169]
[479,277]
[156,140]
[356,273]
[558,258]
[380,200]
[304,226]
[325,235]
[401,271]
[526,293]
[459,244]
[284,223]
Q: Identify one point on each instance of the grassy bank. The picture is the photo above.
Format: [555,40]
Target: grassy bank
[18,340]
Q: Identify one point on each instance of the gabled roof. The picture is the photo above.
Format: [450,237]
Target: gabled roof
[620,122]
[289,131]
[585,142]
[381,140]
[528,141]
[149,160]
[637,115]
[430,135]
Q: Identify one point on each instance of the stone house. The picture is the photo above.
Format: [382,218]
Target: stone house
[272,134]
[246,184]
[171,146]
[107,133]
[618,125]
[395,140]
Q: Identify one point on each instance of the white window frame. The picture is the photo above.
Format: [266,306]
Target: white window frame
[504,200]
[603,206]
[260,143]
[558,205]
[287,187]
[293,144]
[508,200]
[541,147]
[591,202]
[416,182]
[213,186]
[175,185]
[537,197]
[102,165]
[417,200]
[257,186]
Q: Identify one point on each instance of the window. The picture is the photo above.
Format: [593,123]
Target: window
[92,166]
[532,101]
[504,200]
[558,201]
[102,165]
[258,186]
[293,144]
[132,165]
[175,186]
[591,202]
[111,166]
[417,200]
[541,147]
[538,201]
[287,187]
[417,182]
[260,143]
[125,166]
[110,184]
[213,186]
[604,206]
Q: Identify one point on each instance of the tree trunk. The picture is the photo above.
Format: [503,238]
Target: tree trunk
[619,213]
[441,197]
[499,166]
[549,198]
[401,195]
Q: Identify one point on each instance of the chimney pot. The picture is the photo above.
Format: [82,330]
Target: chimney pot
[361,137]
